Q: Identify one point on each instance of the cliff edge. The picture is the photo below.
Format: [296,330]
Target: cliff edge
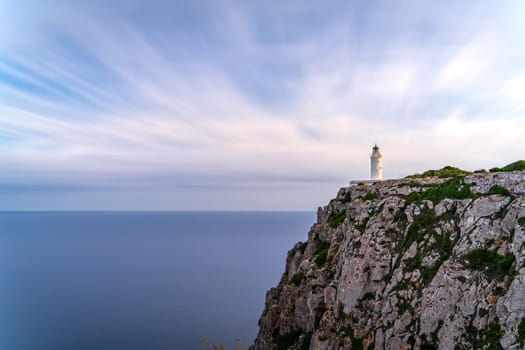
[424,263]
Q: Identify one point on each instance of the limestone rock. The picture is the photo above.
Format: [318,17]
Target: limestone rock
[406,264]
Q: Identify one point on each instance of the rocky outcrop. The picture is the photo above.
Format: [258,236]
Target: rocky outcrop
[407,264]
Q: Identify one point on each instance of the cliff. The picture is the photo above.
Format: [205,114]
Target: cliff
[424,263]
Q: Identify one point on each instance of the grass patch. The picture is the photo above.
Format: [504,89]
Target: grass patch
[447,171]
[337,219]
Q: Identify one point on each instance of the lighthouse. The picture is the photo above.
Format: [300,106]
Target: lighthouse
[376,164]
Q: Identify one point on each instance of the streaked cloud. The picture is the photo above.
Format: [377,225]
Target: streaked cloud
[261,106]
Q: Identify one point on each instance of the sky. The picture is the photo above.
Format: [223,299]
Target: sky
[249,105]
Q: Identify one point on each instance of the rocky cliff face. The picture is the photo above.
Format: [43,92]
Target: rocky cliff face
[401,264]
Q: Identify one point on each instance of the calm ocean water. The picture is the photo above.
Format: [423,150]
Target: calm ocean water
[139,280]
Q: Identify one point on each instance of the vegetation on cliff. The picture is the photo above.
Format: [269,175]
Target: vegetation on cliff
[447,171]
[515,166]
[450,171]
[412,263]
[454,188]
[490,262]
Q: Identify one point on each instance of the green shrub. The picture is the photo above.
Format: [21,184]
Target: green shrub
[491,337]
[447,171]
[321,254]
[368,296]
[484,339]
[413,197]
[302,247]
[518,165]
[490,262]
[400,216]
[297,279]
[290,340]
[337,219]
[321,258]
[422,224]
[453,188]
[409,184]
[357,344]
[499,290]
[521,221]
[428,346]
[444,246]
[370,196]
[403,306]
[362,226]
[428,273]
[497,189]
[347,198]
[521,332]
[365,297]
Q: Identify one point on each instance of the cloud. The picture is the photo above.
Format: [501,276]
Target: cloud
[227,98]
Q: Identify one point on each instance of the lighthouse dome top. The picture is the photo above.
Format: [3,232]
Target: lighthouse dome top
[375,151]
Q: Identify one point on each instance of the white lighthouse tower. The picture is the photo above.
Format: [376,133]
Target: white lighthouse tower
[376,164]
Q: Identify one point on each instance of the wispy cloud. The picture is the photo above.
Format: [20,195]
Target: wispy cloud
[285,97]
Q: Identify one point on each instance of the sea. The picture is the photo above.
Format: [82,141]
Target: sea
[139,280]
